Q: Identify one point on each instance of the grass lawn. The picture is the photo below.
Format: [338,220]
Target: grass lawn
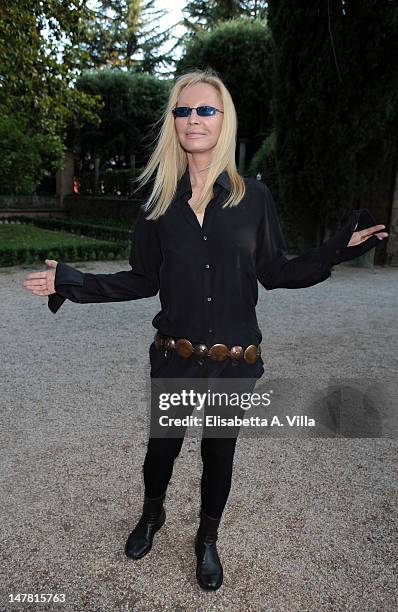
[14,235]
[118,223]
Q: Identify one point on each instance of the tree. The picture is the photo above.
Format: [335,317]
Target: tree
[240,50]
[205,15]
[335,101]
[133,103]
[39,61]
[127,34]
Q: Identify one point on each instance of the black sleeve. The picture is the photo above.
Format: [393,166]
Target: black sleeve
[275,270]
[139,282]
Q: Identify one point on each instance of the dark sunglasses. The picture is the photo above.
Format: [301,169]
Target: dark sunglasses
[202,111]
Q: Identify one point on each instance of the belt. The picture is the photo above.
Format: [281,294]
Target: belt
[216,352]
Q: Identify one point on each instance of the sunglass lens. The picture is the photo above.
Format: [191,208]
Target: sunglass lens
[206,111]
[181,111]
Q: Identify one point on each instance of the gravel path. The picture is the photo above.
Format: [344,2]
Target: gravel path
[310,524]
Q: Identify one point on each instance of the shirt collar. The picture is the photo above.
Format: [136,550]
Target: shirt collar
[184,186]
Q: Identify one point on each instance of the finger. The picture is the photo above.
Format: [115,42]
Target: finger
[380,236]
[35,283]
[368,231]
[34,276]
[43,292]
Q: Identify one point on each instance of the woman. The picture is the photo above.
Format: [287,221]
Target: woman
[209,237]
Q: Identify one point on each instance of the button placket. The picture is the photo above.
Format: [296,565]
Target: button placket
[207,286]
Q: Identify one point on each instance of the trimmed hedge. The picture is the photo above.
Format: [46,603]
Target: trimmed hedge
[73,227]
[116,243]
[23,255]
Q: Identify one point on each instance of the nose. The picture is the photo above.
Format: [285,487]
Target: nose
[193,117]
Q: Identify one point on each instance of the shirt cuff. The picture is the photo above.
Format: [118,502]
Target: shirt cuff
[336,249]
[55,302]
[64,275]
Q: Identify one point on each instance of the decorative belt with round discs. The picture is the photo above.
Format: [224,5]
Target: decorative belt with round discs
[217,352]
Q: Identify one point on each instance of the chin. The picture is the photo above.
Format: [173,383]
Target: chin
[190,149]
[197,147]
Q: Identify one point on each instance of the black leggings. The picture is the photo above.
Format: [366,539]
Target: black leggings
[217,452]
[217,456]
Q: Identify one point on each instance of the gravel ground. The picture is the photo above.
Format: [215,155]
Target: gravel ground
[310,524]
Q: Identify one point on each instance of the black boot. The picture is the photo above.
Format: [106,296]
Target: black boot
[139,542]
[209,571]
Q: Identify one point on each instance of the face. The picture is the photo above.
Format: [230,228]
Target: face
[199,134]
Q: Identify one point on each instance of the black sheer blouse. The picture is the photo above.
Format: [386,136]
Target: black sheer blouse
[207,277]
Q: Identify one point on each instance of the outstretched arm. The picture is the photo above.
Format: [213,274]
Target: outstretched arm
[275,270]
[139,282]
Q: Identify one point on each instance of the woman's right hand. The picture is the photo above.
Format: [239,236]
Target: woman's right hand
[42,283]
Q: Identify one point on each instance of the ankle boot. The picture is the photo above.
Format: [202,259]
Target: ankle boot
[139,542]
[209,571]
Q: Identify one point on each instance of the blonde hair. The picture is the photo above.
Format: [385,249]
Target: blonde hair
[169,159]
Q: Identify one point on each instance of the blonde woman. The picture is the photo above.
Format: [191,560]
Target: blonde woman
[203,239]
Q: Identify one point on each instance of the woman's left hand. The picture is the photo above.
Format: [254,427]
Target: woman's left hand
[362,235]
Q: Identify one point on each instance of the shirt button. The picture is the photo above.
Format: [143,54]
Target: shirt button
[210,329]
[337,251]
[204,237]
[207,266]
[209,299]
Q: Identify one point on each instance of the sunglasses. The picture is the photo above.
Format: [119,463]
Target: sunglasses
[202,111]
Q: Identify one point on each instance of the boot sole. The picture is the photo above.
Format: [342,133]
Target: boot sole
[162,522]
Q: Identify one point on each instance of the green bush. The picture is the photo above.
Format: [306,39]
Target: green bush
[24,155]
[111,243]
[26,255]
[133,103]
[240,50]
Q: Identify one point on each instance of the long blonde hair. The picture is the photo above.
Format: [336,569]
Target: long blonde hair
[169,159]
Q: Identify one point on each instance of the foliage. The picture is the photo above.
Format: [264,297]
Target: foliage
[24,241]
[133,103]
[240,51]
[263,163]
[335,105]
[127,34]
[23,153]
[39,57]
[206,14]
